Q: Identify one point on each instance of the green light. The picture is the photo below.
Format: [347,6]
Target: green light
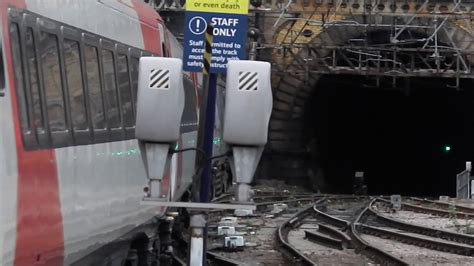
[217,141]
[447,148]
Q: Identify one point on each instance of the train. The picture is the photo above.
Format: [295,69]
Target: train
[71,173]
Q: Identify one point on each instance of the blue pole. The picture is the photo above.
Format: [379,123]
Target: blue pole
[207,145]
[208,138]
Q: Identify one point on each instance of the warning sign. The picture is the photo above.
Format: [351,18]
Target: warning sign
[219,6]
[229,20]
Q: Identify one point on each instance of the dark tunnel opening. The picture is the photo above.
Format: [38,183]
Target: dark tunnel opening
[409,141]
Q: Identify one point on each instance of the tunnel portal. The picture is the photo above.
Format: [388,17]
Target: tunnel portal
[395,105]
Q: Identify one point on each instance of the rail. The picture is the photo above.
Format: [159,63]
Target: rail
[444,205]
[419,229]
[220,260]
[284,229]
[334,228]
[432,211]
[418,241]
[331,219]
[371,251]
[176,260]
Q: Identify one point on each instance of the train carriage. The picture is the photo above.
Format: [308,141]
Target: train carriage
[71,174]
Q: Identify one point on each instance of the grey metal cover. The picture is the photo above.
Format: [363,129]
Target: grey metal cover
[248,103]
[160,101]
[462,185]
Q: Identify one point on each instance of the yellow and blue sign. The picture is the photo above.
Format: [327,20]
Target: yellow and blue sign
[229,18]
[219,6]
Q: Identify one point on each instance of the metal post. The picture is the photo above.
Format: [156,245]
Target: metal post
[198,241]
[253,51]
[197,250]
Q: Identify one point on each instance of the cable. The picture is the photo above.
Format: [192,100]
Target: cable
[203,153]
[221,156]
[189,149]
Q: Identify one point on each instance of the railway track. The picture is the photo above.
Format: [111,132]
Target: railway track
[326,235]
[365,232]
[284,229]
[212,257]
[440,209]
[442,205]
[264,221]
[377,254]
[374,224]
[418,229]
[332,223]
[216,259]
[270,198]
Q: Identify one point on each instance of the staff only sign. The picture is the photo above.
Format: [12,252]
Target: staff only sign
[229,18]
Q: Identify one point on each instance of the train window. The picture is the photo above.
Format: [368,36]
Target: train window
[125,91]
[59,69]
[111,107]
[189,118]
[134,71]
[2,71]
[17,67]
[93,83]
[75,86]
[33,79]
[52,81]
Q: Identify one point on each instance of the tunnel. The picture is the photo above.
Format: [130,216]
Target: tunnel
[408,135]
[411,140]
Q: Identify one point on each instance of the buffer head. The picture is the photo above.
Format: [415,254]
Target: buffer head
[160,100]
[248,103]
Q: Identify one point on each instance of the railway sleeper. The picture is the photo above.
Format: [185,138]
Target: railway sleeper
[455,248]
[325,240]
[342,224]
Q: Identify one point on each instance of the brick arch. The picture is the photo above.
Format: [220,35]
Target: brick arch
[288,149]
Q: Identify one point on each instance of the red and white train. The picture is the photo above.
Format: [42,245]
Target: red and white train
[71,174]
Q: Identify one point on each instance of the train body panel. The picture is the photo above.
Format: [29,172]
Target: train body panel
[100,187]
[8,177]
[59,205]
